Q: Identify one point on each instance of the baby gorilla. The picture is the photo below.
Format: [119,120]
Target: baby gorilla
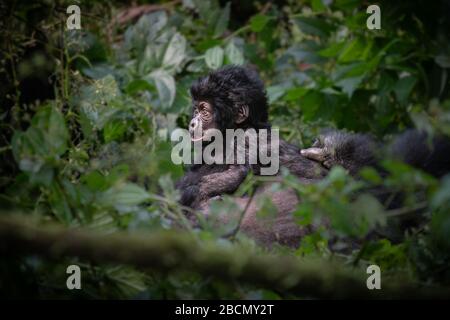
[234,98]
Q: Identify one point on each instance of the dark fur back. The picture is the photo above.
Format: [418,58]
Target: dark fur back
[431,155]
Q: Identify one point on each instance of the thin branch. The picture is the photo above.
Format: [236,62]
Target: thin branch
[234,232]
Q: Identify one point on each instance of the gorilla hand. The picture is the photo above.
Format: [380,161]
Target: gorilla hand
[321,151]
[351,151]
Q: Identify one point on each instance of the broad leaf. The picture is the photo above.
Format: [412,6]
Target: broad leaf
[214,57]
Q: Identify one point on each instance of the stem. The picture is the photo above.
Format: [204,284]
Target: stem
[234,232]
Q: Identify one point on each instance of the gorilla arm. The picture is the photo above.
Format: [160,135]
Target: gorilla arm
[354,151]
[208,181]
[351,151]
[218,183]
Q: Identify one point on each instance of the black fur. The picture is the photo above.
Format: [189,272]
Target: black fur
[226,89]
[229,87]
[417,149]
[413,147]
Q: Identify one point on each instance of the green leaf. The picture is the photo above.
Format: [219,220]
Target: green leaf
[38,148]
[306,52]
[312,243]
[442,195]
[165,85]
[258,22]
[95,181]
[139,85]
[403,88]
[371,175]
[214,57]
[352,52]
[145,30]
[233,54]
[317,5]
[295,93]
[314,26]
[386,255]
[27,145]
[114,130]
[310,103]
[440,228]
[222,22]
[126,194]
[51,121]
[182,97]
[347,4]
[166,184]
[207,43]
[349,85]
[175,52]
[333,50]
[275,92]
[98,71]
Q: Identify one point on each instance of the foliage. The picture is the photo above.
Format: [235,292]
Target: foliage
[88,115]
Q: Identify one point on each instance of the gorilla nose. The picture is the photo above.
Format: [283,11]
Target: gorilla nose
[194,125]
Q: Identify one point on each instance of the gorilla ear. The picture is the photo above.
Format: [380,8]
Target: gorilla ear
[242,114]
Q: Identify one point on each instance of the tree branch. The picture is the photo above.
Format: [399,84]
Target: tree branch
[177,251]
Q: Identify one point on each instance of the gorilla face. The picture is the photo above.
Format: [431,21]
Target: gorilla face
[229,98]
[202,120]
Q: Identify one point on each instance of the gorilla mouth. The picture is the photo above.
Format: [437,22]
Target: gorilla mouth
[196,139]
[196,135]
[200,135]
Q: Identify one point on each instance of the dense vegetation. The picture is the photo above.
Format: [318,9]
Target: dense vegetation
[87,115]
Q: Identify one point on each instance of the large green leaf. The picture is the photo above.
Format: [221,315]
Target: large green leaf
[222,22]
[44,141]
[353,51]
[314,26]
[349,85]
[233,54]
[403,88]
[310,103]
[125,194]
[258,22]
[165,84]
[51,121]
[214,57]
[145,30]
[175,52]
[318,5]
